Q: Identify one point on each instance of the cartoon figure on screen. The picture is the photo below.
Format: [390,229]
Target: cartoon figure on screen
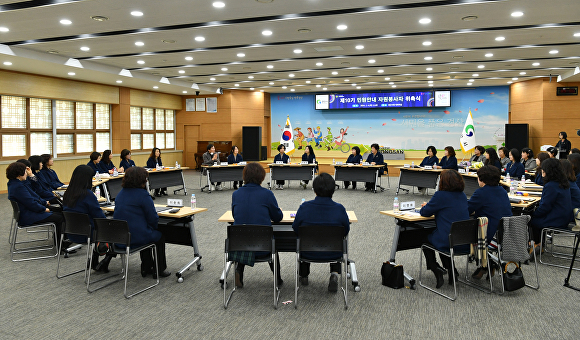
[299,137]
[317,136]
[328,139]
[339,141]
[310,136]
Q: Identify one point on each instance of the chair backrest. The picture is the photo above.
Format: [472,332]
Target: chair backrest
[463,232]
[112,231]
[77,223]
[321,239]
[513,234]
[114,186]
[15,211]
[249,238]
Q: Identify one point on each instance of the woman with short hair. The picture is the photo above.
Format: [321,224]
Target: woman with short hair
[374,158]
[449,161]
[126,161]
[48,175]
[284,158]
[563,146]
[95,163]
[209,158]
[354,158]
[478,154]
[503,154]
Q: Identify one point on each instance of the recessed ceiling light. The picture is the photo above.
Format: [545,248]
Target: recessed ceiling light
[183,91]
[514,78]
[5,29]
[489,55]
[7,63]
[372,61]
[319,64]
[394,86]
[119,81]
[517,14]
[251,89]
[471,80]
[428,58]
[139,43]
[292,90]
[346,80]
[424,21]
[522,73]
[241,55]
[468,84]
[65,22]
[334,73]
[199,38]
[429,69]
[308,82]
[475,75]
[291,75]
[181,71]
[297,51]
[99,18]
[509,82]
[236,85]
[430,82]
[480,66]
[381,71]
[266,32]
[427,43]
[284,87]
[324,89]
[156,87]
[270,66]
[219,4]
[387,78]
[250,77]
[353,84]
[140,62]
[429,77]
[499,38]
[554,52]
[137,14]
[391,83]
[71,73]
[188,58]
[212,79]
[318,85]
[358,87]
[224,68]
[271,83]
[341,27]
[85,48]
[359,47]
[536,64]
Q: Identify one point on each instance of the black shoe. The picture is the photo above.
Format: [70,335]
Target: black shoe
[303,280]
[95,261]
[157,195]
[439,272]
[353,187]
[280,282]
[145,270]
[239,279]
[333,283]
[103,266]
[346,186]
[164,273]
[368,189]
[235,187]
[452,277]
[153,197]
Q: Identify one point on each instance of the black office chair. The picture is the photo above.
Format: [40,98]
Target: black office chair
[76,224]
[48,228]
[250,238]
[322,239]
[462,233]
[386,173]
[115,232]
[550,237]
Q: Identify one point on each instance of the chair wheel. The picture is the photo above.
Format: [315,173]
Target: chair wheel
[357,288]
[348,275]
[200,267]
[180,280]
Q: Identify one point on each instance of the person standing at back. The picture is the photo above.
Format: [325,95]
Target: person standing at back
[563,146]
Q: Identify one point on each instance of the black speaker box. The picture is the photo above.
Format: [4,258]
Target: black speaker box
[517,136]
[252,142]
[264,155]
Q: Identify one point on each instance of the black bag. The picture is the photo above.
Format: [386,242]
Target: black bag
[393,275]
[514,280]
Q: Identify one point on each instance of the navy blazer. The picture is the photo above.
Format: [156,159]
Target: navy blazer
[497,163]
[355,159]
[566,146]
[308,214]
[32,207]
[378,159]
[235,159]
[127,163]
[97,167]
[540,181]
[39,187]
[516,170]
[136,207]
[555,208]
[308,158]
[152,161]
[50,177]
[429,161]
[574,196]
[256,205]
[284,159]
[491,202]
[448,163]
[577,179]
[448,207]
[86,205]
[107,166]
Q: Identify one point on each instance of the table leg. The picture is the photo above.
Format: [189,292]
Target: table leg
[270,184]
[208,182]
[197,256]
[376,179]
[183,187]
[106,192]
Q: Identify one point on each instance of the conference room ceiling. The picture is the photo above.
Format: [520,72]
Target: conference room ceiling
[543,41]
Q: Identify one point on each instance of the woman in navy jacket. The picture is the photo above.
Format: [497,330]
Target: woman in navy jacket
[491,201]
[284,158]
[32,208]
[107,162]
[375,158]
[308,214]
[515,168]
[152,163]
[48,175]
[310,157]
[448,204]
[448,161]
[491,158]
[37,182]
[234,158]
[564,145]
[95,163]
[574,190]
[354,158]
[574,158]
[431,158]
[555,208]
[255,205]
[542,156]
[80,199]
[134,205]
[126,161]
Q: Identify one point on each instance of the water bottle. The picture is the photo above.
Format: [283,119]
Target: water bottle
[333,162]
[115,172]
[412,164]
[313,160]
[507,178]
[361,161]
[176,165]
[97,176]
[98,192]
[193,201]
[396,205]
[513,187]
[156,165]
[303,200]
[523,182]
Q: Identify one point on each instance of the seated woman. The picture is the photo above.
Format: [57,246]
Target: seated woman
[528,159]
[503,154]
[574,158]
[284,158]
[375,158]
[36,181]
[48,175]
[448,161]
[308,214]
[255,205]
[575,150]
[126,161]
[41,190]
[354,158]
[310,157]
[555,208]
[542,156]
[490,200]
[448,204]
[235,158]
[209,158]
[153,162]
[107,162]
[574,190]
[430,160]
[552,152]
[32,208]
[134,205]
[478,154]
[80,198]
[515,168]
[95,163]
[491,158]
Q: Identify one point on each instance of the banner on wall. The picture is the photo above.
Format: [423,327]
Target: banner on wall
[287,139]
[467,139]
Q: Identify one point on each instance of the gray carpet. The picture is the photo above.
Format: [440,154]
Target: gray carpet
[36,305]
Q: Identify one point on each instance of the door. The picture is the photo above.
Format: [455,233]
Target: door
[190,145]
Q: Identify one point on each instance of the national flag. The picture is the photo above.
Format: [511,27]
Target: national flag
[287,138]
[467,139]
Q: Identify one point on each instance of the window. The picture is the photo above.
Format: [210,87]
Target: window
[13,112]
[13,145]
[103,141]
[84,116]
[135,118]
[85,143]
[40,113]
[135,141]
[103,117]
[152,128]
[13,118]
[64,143]
[40,142]
[65,115]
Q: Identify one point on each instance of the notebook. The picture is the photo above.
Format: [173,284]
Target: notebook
[161,209]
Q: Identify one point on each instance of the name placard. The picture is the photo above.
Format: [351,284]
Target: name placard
[428,167]
[242,163]
[406,166]
[279,162]
[462,171]
[407,205]
[304,162]
[174,202]
[366,163]
[224,163]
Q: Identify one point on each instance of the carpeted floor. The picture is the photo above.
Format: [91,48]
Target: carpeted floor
[37,305]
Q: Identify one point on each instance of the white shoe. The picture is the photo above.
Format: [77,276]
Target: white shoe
[218,188]
[212,188]
[281,187]
[424,191]
[277,186]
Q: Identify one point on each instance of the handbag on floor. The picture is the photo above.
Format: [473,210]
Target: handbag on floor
[514,280]
[393,275]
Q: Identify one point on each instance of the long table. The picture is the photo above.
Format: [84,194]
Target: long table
[357,173]
[286,240]
[167,177]
[222,173]
[418,177]
[291,171]
[178,228]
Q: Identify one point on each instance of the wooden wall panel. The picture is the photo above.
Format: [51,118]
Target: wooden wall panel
[526,91]
[155,100]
